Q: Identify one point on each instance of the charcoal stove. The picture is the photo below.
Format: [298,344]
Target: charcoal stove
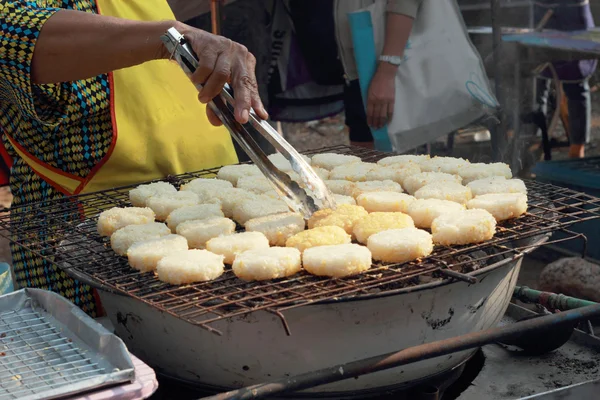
[227,333]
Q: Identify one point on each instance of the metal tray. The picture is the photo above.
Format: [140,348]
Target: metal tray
[49,348]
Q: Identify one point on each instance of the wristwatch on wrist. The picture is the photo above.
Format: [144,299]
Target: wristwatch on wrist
[394,60]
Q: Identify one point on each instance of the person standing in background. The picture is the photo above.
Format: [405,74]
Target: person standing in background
[569,15]
[323,32]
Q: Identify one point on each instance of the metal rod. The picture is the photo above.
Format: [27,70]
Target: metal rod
[215,16]
[408,356]
[549,300]
[499,131]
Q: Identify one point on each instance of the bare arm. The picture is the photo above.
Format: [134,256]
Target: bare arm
[77,45]
[380,104]
[397,32]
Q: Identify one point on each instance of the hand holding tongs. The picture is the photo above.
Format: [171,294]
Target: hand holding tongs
[316,195]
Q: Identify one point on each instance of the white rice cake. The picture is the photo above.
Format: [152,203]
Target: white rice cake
[502,206]
[271,195]
[322,236]
[343,187]
[451,191]
[393,172]
[198,232]
[110,221]
[265,264]
[186,267]
[230,246]
[231,199]
[355,172]
[321,173]
[449,165]
[497,184]
[202,184]
[282,164]
[278,228]
[205,195]
[380,221]
[424,211]
[260,207]
[254,184]
[341,199]
[207,189]
[337,261]
[400,245]
[385,201]
[403,159]
[473,172]
[140,195]
[376,186]
[124,238]
[344,216]
[463,227]
[232,173]
[144,256]
[190,213]
[416,182]
[331,160]
[165,204]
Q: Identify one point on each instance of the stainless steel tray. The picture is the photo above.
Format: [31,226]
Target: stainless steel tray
[49,348]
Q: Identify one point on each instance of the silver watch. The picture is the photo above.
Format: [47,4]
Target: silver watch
[394,60]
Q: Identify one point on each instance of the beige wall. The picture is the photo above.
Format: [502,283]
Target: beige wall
[187,9]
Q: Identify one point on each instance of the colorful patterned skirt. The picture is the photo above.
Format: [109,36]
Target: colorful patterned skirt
[36,238]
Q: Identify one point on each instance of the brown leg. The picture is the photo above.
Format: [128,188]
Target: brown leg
[577,151]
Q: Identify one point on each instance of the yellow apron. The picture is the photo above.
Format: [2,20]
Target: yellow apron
[159,126]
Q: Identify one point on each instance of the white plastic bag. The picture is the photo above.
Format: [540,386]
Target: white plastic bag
[442,85]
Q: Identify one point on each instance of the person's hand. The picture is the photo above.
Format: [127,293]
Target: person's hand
[381,96]
[224,61]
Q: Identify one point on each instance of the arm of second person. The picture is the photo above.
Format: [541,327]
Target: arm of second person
[380,102]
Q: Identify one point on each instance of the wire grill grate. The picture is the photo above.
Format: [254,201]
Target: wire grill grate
[36,357]
[58,232]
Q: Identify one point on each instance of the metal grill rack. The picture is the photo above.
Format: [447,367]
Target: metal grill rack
[58,232]
[35,357]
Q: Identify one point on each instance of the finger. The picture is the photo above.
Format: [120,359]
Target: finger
[206,65]
[377,115]
[243,85]
[257,104]
[217,79]
[383,114]
[370,113]
[259,108]
[390,112]
[212,117]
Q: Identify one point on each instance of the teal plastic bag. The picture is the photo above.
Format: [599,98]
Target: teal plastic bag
[6,282]
[363,39]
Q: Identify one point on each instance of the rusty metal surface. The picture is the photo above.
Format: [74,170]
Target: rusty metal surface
[57,232]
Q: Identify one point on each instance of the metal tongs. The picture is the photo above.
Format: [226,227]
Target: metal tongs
[307,200]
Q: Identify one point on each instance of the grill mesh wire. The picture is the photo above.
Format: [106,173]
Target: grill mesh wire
[75,246]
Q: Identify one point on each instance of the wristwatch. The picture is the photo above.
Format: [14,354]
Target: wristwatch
[394,60]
